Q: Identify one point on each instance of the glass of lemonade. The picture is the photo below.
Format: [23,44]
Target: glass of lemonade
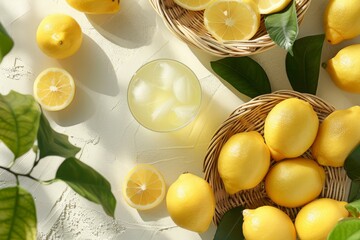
[164,95]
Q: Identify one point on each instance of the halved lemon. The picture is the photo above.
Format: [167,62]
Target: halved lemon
[144,187]
[232,19]
[194,5]
[54,89]
[272,6]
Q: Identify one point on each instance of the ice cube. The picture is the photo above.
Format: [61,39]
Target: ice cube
[182,89]
[166,75]
[162,108]
[185,112]
[142,91]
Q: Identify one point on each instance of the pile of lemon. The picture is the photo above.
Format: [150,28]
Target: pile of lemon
[291,128]
[228,20]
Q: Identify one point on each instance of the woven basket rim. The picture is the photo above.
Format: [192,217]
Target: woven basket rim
[188,27]
[254,111]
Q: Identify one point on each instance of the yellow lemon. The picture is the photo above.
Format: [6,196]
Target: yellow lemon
[54,89]
[228,20]
[194,5]
[317,218]
[95,6]
[338,135]
[344,68]
[294,182]
[273,6]
[190,202]
[341,20]
[290,128]
[267,223]
[59,36]
[144,187]
[243,161]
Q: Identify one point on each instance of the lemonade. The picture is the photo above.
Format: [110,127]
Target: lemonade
[164,95]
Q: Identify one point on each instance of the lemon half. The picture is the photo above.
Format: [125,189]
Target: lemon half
[144,187]
[54,89]
[228,20]
[194,5]
[272,6]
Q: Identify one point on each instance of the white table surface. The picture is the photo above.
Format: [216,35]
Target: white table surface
[100,122]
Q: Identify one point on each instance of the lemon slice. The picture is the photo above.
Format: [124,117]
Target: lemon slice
[272,6]
[232,19]
[144,187]
[54,89]
[194,5]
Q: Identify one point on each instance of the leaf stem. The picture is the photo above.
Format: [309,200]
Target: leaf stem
[17,175]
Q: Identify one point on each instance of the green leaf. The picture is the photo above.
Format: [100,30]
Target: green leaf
[354,193]
[352,164]
[19,122]
[244,74]
[346,229]
[53,143]
[282,27]
[6,43]
[354,208]
[17,214]
[303,67]
[230,226]
[88,183]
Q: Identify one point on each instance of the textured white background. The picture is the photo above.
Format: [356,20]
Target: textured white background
[99,120]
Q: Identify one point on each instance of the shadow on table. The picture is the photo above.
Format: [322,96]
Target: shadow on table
[131,27]
[206,59]
[92,67]
[76,112]
[92,70]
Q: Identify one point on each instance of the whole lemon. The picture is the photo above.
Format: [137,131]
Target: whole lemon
[243,161]
[290,128]
[317,218]
[344,68]
[294,182]
[341,20]
[267,223]
[338,135]
[59,36]
[95,6]
[190,202]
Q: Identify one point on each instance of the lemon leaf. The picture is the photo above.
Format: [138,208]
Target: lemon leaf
[19,122]
[52,143]
[17,214]
[352,164]
[354,208]
[352,168]
[354,192]
[348,228]
[282,27]
[230,226]
[6,42]
[244,74]
[88,183]
[303,67]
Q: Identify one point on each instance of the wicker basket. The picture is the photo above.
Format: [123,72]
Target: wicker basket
[188,26]
[250,116]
